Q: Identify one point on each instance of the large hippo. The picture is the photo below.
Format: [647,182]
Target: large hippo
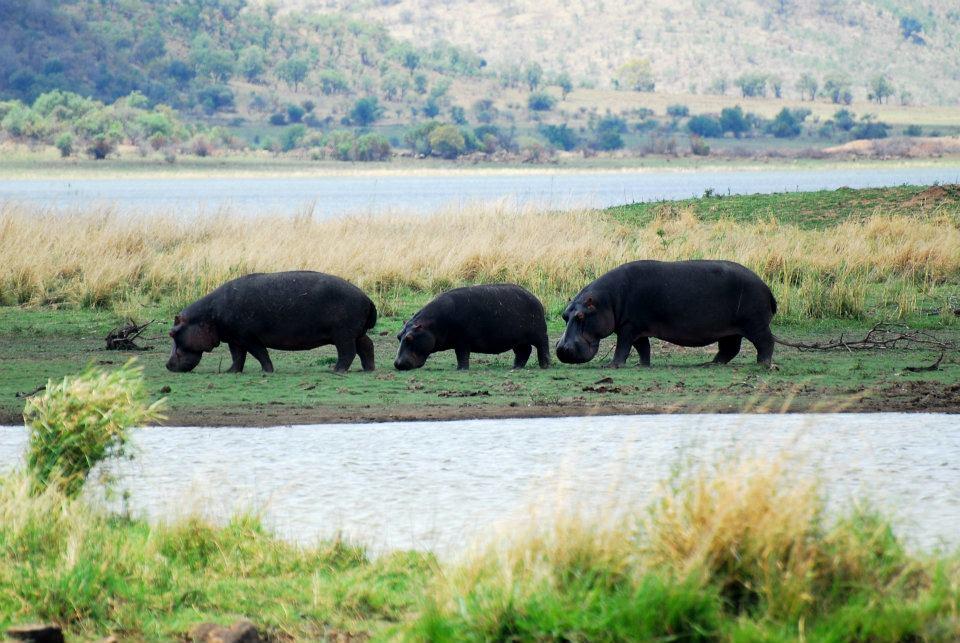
[690,303]
[291,311]
[491,319]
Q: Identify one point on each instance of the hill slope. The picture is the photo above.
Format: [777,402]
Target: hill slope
[690,44]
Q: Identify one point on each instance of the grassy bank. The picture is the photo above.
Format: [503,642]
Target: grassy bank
[838,262]
[739,554]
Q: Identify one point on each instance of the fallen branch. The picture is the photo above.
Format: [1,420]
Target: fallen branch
[923,369]
[882,336]
[122,338]
[23,394]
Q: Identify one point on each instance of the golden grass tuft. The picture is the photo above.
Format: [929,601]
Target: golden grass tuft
[99,259]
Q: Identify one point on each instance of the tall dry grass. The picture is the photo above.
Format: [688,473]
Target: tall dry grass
[99,259]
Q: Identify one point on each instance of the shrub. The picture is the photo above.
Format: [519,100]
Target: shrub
[678,111]
[64,143]
[913,130]
[705,126]
[787,123]
[279,118]
[844,119]
[541,102]
[606,133]
[82,421]
[560,136]
[372,147]
[732,120]
[291,137]
[868,128]
[699,147]
[295,113]
[447,141]
[366,111]
[752,85]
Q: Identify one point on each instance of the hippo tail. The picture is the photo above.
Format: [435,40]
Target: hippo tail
[371,317]
[773,303]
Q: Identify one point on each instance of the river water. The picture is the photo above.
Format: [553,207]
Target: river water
[425,192]
[441,485]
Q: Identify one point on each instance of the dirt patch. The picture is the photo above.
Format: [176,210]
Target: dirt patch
[934,195]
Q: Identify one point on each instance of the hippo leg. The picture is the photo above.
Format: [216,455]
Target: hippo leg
[729,347]
[621,352]
[521,354]
[365,351]
[543,351]
[346,352]
[763,341]
[239,356]
[643,347]
[463,358]
[262,356]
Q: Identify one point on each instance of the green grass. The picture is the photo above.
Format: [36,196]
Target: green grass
[44,344]
[738,556]
[808,210]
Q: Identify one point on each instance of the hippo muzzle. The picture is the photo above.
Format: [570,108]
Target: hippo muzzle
[577,351]
[182,361]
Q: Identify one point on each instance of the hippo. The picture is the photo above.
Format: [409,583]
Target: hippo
[291,311]
[491,318]
[689,303]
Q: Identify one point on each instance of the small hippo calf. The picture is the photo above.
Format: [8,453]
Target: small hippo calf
[489,319]
[292,311]
[689,303]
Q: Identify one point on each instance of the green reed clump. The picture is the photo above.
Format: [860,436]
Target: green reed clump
[83,420]
[739,554]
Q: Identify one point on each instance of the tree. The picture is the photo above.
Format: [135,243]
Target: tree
[333,82]
[541,101]
[732,120]
[291,137]
[607,131]
[787,123]
[869,128]
[881,88]
[410,60]
[678,111]
[295,113]
[447,141]
[485,111]
[560,136]
[293,71]
[210,60]
[458,115]
[837,88]
[807,85]
[366,111]
[565,85]
[752,85]
[776,84]
[533,75]
[705,126]
[252,62]
[636,74]
[844,119]
[911,29]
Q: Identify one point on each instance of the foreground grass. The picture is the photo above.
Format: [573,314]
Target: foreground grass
[739,554]
[43,344]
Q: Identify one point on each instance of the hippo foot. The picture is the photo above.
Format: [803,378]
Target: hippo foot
[613,365]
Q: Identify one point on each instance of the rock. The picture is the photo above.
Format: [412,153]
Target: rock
[239,632]
[36,633]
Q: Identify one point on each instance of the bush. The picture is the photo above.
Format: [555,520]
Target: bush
[913,130]
[732,120]
[447,141]
[84,420]
[699,147]
[678,111]
[787,123]
[366,111]
[844,119]
[64,143]
[868,128]
[606,133]
[291,137]
[541,102]
[752,85]
[295,113]
[372,147]
[560,136]
[705,126]
[278,119]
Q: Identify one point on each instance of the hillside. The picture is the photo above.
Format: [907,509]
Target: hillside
[693,45]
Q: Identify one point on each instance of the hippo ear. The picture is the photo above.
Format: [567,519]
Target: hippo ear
[417,326]
[177,320]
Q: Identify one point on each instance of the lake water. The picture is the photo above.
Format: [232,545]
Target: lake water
[422,192]
[441,485]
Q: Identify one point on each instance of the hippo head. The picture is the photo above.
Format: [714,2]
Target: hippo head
[191,338]
[588,321]
[416,344]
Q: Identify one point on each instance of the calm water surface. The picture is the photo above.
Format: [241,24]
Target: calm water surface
[440,485]
[426,193]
